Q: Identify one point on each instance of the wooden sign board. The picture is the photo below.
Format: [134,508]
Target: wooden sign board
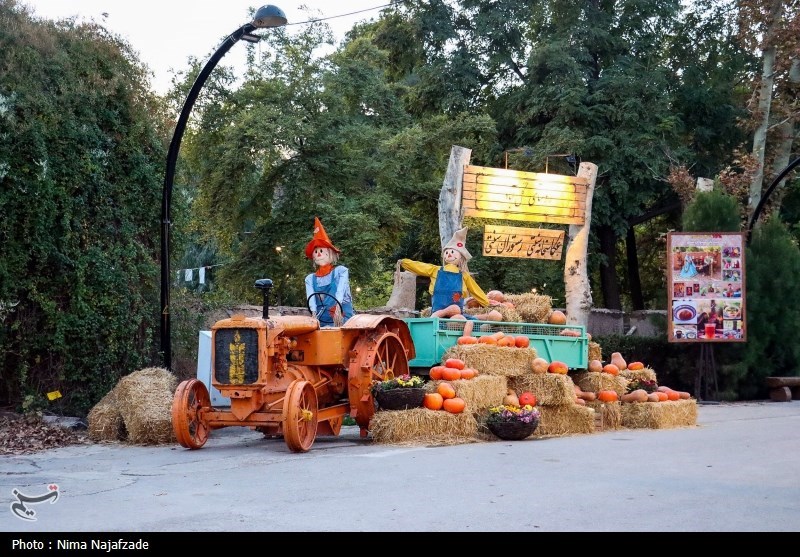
[706,287]
[496,193]
[528,243]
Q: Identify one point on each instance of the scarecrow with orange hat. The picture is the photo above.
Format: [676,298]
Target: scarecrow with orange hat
[451,283]
[328,287]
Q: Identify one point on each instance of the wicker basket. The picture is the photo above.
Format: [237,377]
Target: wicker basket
[400,399]
[513,431]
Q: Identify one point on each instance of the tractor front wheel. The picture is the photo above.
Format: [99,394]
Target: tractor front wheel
[191,398]
[300,409]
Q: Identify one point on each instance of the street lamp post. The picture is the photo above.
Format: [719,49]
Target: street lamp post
[266,17]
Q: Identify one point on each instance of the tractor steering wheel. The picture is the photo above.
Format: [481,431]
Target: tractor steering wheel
[321,307]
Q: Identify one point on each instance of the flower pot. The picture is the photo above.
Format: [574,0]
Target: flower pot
[513,431]
[400,399]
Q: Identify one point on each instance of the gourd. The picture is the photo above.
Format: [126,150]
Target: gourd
[467,340]
[451,374]
[446,390]
[522,341]
[673,394]
[468,373]
[639,395]
[633,366]
[433,401]
[454,405]
[557,318]
[579,401]
[619,361]
[652,397]
[527,398]
[607,396]
[596,366]
[587,396]
[539,365]
[511,398]
[455,362]
[436,373]
[612,369]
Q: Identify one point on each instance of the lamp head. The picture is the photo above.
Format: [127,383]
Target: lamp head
[269,16]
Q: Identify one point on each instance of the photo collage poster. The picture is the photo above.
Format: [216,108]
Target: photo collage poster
[706,284]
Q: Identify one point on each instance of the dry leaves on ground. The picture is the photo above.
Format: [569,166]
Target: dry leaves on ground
[21,435]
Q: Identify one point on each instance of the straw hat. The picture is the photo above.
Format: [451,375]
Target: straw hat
[320,240]
[459,243]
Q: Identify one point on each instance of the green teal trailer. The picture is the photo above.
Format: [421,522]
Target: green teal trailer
[432,337]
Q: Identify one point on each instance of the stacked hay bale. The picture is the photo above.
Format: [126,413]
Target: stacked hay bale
[609,414]
[138,409]
[532,308]
[555,396]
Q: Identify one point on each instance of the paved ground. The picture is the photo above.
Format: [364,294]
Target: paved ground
[736,471]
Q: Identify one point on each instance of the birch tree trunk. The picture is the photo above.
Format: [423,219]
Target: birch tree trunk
[450,195]
[576,273]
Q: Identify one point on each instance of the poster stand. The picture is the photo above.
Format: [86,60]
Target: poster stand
[706,378]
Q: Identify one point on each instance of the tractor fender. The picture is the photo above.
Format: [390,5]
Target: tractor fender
[367,321]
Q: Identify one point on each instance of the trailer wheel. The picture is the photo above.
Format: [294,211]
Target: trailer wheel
[191,397]
[300,411]
[379,355]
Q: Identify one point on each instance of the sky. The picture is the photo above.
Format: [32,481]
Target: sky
[166,33]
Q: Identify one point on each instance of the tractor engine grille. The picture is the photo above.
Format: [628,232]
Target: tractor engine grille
[236,356]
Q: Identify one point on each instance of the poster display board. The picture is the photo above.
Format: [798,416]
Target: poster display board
[706,287]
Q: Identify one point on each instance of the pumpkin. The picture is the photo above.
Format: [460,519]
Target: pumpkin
[557,367]
[539,365]
[527,398]
[639,395]
[436,373]
[506,341]
[619,361]
[511,398]
[634,366]
[451,374]
[607,396]
[446,390]
[596,366]
[487,340]
[652,397]
[467,340]
[662,396]
[433,401]
[468,373]
[454,405]
[496,295]
[612,369]
[674,395]
[454,362]
[684,395]
[522,341]
[580,401]
[557,318]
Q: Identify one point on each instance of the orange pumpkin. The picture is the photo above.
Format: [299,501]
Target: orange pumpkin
[454,362]
[467,340]
[611,369]
[454,405]
[506,341]
[633,366]
[662,396]
[527,398]
[674,395]
[522,341]
[436,373]
[557,318]
[487,340]
[446,390]
[451,374]
[468,373]
[557,367]
[433,401]
[607,396]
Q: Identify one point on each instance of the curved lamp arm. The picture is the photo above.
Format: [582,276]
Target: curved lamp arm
[266,16]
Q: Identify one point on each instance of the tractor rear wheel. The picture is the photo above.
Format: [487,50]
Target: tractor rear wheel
[380,356]
[300,409]
[191,397]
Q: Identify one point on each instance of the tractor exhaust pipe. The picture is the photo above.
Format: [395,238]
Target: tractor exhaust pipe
[265,285]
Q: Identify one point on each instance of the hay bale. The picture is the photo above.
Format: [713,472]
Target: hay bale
[145,402]
[608,415]
[482,391]
[532,308]
[493,360]
[510,315]
[551,389]
[659,415]
[105,422]
[595,352]
[646,374]
[420,426]
[595,382]
[568,419]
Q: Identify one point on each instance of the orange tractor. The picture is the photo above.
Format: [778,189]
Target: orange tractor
[288,377]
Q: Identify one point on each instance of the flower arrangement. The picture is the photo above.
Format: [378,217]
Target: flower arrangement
[649,385]
[403,382]
[507,413]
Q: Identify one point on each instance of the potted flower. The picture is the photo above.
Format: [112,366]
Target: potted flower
[513,422]
[399,393]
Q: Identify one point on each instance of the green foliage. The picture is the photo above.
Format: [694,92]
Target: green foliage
[81,157]
[712,211]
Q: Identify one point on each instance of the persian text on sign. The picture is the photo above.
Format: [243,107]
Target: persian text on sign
[528,243]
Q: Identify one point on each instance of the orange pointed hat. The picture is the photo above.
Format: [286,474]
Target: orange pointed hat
[320,240]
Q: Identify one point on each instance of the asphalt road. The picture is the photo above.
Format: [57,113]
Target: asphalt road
[738,470]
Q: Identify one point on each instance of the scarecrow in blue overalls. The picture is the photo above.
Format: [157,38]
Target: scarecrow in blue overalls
[451,283]
[330,283]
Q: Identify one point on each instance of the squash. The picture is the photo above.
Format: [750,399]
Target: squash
[684,395]
[433,401]
[611,369]
[539,365]
[522,341]
[674,395]
[496,295]
[446,390]
[507,341]
[454,405]
[468,373]
[634,366]
[436,373]
[652,397]
[527,398]
[639,395]
[467,340]
[579,401]
[451,374]
[487,340]
[619,361]
[662,396]
[595,366]
[557,318]
[584,395]
[557,367]
[607,396]
[511,398]
[455,362]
